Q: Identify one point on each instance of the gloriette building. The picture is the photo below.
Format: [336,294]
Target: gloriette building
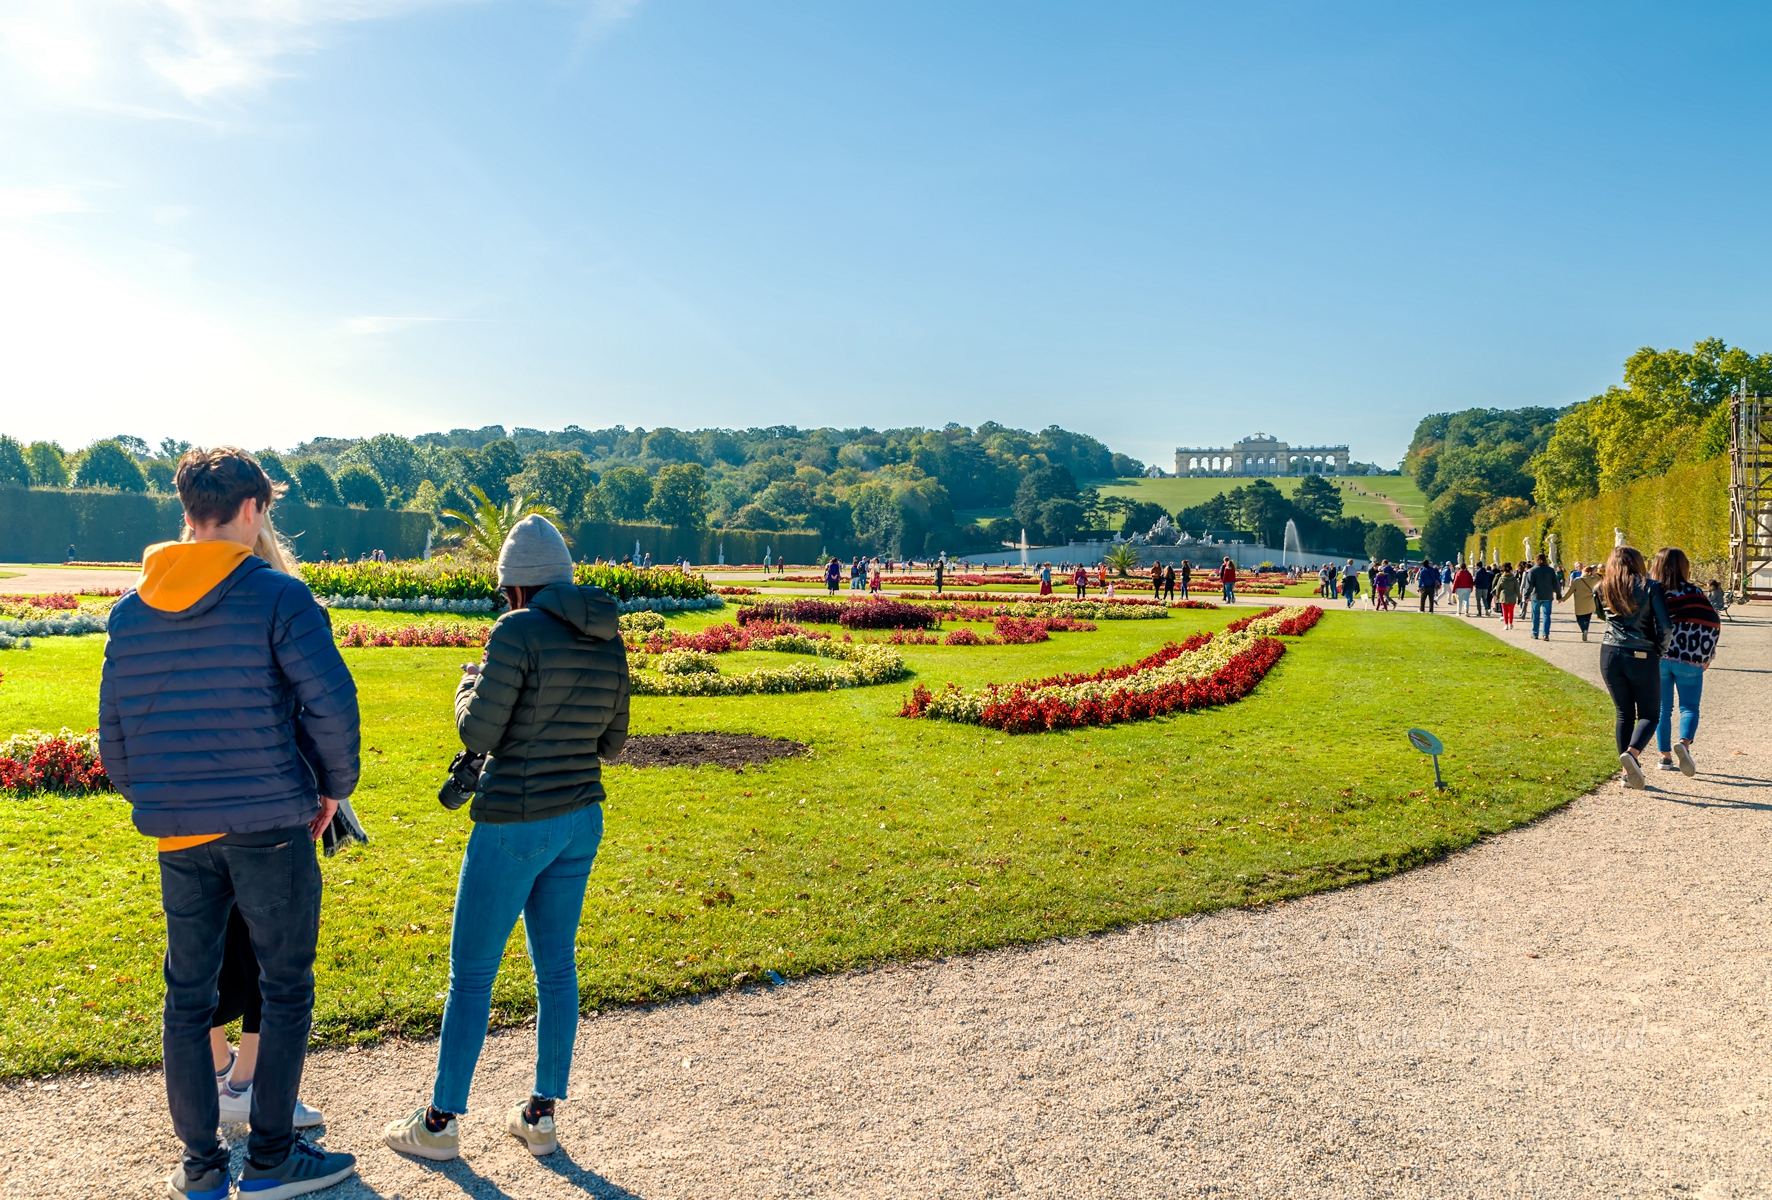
[1262,455]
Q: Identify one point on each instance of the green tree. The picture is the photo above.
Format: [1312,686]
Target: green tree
[315,482]
[1262,509]
[559,478]
[482,532]
[390,456]
[671,446]
[49,466]
[1499,512]
[1316,497]
[160,475]
[755,516]
[1140,516]
[1386,542]
[490,468]
[625,492]
[359,488]
[680,496]
[1449,523]
[1123,558]
[426,498]
[1040,485]
[107,464]
[174,449]
[875,514]
[14,469]
[1058,520]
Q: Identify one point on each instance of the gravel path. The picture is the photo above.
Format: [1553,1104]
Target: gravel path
[1576,1008]
[28,580]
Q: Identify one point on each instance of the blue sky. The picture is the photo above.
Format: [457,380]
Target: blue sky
[262,220]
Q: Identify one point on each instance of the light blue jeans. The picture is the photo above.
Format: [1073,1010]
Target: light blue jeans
[1230,591]
[1541,608]
[536,869]
[1689,678]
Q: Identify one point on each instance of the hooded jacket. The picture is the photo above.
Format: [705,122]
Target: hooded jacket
[551,699]
[224,706]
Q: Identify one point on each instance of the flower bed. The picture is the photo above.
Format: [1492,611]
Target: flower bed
[1116,609]
[447,580]
[857,665]
[887,614]
[736,591]
[1205,670]
[64,761]
[60,626]
[812,612]
[416,635]
[713,639]
[1192,604]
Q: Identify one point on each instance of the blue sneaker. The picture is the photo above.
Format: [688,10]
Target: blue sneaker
[211,1185]
[307,1169]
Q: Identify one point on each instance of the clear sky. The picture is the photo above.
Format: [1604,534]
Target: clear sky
[1159,223]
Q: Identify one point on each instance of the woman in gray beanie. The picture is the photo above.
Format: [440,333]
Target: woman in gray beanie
[549,700]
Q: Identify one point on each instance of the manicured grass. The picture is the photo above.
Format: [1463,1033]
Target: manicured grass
[889,839]
[1175,494]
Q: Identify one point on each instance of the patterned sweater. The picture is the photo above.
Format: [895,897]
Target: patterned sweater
[1695,625]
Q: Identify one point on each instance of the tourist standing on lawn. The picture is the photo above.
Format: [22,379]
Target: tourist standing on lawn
[1227,575]
[1542,587]
[1638,629]
[1427,584]
[1690,648]
[549,701]
[1507,594]
[1581,596]
[228,720]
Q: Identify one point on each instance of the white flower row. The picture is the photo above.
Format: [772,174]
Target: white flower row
[1078,610]
[665,604]
[393,604]
[20,746]
[1206,660]
[74,623]
[863,665]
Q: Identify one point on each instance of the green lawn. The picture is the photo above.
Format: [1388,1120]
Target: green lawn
[891,839]
[1357,493]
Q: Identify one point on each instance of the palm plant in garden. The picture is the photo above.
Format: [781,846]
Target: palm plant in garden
[1122,558]
[484,530]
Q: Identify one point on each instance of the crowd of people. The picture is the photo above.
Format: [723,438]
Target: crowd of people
[229,721]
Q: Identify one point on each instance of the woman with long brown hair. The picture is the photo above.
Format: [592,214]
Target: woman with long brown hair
[1691,646]
[1634,607]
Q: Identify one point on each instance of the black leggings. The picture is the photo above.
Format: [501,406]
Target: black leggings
[238,985]
[1635,686]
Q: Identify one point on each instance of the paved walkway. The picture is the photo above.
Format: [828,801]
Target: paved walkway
[1577,1008]
[28,580]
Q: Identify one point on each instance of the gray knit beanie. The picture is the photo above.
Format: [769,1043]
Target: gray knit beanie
[534,555]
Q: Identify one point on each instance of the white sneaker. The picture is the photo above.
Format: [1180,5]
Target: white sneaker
[238,1107]
[1633,773]
[1683,754]
[1666,764]
[409,1136]
[539,1137]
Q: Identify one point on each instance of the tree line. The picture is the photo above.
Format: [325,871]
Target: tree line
[1481,468]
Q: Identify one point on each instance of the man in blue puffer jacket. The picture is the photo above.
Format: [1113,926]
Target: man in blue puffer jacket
[229,721]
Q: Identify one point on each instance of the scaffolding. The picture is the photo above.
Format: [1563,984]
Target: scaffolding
[1750,496]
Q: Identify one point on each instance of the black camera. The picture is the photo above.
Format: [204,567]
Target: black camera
[464,778]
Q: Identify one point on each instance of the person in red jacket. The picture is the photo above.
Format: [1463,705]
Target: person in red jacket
[1081,579]
[1462,585]
[1227,575]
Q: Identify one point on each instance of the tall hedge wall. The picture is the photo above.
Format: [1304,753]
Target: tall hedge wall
[1688,507]
[39,524]
[667,543]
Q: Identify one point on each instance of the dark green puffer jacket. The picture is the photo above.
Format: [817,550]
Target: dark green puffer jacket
[550,700]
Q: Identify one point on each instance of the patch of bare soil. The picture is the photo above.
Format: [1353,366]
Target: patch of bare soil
[735,750]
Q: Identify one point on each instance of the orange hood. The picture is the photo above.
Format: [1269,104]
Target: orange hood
[175,575]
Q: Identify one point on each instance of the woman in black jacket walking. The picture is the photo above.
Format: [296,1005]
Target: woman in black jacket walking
[550,701]
[1637,630]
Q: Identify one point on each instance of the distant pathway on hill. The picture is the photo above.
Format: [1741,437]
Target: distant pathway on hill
[1576,1008]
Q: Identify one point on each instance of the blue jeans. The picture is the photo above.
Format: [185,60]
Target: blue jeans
[1541,607]
[275,882]
[1689,678]
[536,869]
[1230,592]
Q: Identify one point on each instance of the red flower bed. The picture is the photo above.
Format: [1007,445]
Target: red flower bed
[1020,631]
[1246,622]
[816,612]
[1016,713]
[1306,618]
[55,600]
[1193,604]
[55,765]
[963,637]
[719,639]
[1066,625]
[735,591]
[416,635]
[886,614]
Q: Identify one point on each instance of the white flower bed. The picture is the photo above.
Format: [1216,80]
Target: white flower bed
[1077,610]
[687,662]
[665,604]
[423,604]
[73,623]
[861,665]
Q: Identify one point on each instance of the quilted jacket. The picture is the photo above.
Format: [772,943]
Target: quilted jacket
[551,699]
[234,714]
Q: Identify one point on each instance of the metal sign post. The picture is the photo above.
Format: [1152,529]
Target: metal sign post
[1427,743]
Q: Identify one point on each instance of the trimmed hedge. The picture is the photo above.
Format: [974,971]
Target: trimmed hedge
[446,579]
[667,543]
[1688,507]
[39,524]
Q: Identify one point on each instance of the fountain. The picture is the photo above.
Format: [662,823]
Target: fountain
[1024,548]
[1291,545]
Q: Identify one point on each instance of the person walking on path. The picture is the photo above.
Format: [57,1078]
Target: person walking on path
[229,722]
[1481,582]
[1638,630]
[550,700]
[1542,587]
[1507,594]
[1169,582]
[1227,575]
[1427,584]
[1187,576]
[1381,587]
[1080,579]
[1156,581]
[1045,579]
[1401,582]
[833,574]
[1350,587]
[1581,596]
[1690,648]
[1463,584]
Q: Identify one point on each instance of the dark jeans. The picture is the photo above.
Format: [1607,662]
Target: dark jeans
[1426,600]
[275,886]
[1635,686]
[1482,602]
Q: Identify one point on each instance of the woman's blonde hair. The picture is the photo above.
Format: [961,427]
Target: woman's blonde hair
[1623,573]
[271,546]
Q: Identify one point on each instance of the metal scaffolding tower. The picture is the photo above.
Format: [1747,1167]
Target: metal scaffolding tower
[1750,496]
